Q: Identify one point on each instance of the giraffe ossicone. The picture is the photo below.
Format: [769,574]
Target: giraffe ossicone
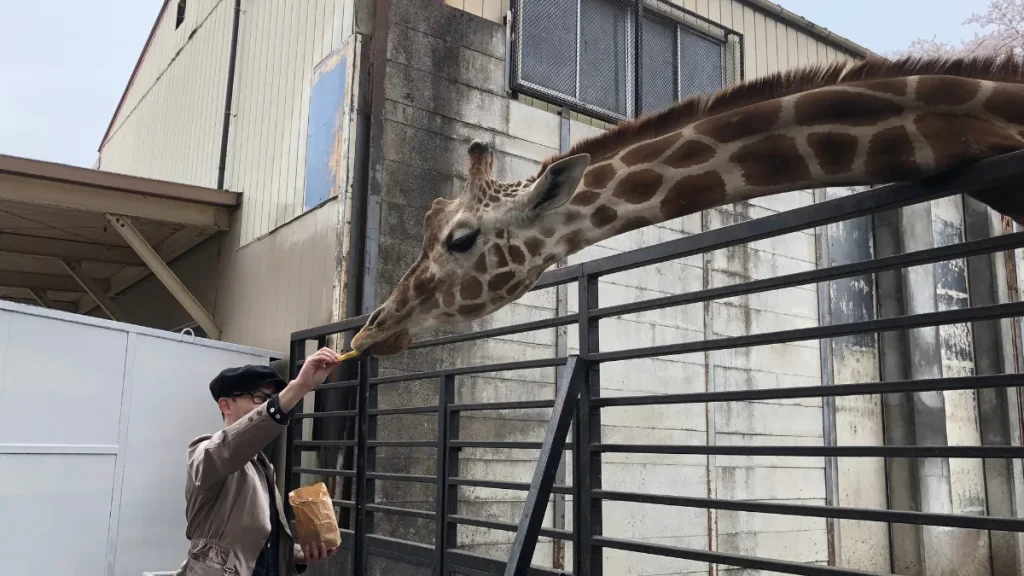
[846,124]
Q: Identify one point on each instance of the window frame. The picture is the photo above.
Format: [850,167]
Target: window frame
[730,40]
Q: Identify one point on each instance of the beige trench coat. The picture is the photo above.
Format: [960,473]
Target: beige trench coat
[227,506]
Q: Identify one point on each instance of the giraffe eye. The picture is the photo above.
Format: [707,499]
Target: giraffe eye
[462,240]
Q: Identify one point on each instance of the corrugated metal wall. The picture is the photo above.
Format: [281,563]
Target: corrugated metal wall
[279,45]
[170,124]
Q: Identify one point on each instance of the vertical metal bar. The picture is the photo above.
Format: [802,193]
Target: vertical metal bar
[561,350]
[525,542]
[365,461]
[451,537]
[587,517]
[445,398]
[294,432]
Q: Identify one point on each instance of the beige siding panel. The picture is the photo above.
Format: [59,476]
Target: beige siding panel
[174,132]
[280,283]
[163,50]
[279,45]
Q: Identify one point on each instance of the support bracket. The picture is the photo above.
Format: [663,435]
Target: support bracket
[93,289]
[163,272]
[41,297]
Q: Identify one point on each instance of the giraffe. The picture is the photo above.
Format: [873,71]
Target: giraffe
[851,123]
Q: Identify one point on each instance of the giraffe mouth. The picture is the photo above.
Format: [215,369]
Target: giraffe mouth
[388,346]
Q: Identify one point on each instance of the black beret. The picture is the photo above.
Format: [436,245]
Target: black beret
[244,379]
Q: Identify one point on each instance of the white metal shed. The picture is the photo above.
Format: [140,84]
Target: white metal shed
[96,417]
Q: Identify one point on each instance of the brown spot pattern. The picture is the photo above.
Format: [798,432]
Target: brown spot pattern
[603,216]
[946,90]
[633,223]
[500,280]
[690,153]
[1007,102]
[574,241]
[649,151]
[471,309]
[480,266]
[448,298]
[844,107]
[585,198]
[894,86]
[598,176]
[471,288]
[742,123]
[891,156]
[430,304]
[692,194]
[834,151]
[517,255]
[771,161]
[638,187]
[534,245]
[974,139]
[499,256]
[546,231]
[515,287]
[499,233]
[423,282]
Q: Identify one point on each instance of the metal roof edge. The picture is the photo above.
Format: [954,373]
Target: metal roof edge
[810,27]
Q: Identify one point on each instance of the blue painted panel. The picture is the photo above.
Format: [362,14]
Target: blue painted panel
[325,144]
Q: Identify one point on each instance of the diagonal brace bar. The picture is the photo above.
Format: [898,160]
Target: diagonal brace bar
[567,395]
[94,290]
[163,272]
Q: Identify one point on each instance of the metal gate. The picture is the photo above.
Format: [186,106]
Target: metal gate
[354,439]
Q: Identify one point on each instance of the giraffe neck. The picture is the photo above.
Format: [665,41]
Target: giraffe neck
[861,133]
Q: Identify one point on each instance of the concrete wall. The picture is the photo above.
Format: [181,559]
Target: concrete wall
[443,90]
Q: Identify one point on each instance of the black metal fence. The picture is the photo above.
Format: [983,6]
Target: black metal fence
[578,400]
[615,59]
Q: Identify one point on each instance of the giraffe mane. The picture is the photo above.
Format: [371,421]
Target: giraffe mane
[687,111]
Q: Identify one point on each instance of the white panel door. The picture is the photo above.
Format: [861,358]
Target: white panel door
[54,511]
[60,382]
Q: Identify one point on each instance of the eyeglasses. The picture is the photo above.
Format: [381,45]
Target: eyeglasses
[258,396]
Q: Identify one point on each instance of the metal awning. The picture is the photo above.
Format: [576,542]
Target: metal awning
[72,238]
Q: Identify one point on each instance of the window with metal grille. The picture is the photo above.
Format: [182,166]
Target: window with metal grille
[583,54]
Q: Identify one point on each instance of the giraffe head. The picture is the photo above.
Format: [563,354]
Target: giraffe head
[479,252]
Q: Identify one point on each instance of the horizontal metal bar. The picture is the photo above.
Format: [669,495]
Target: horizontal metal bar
[975,176]
[500,444]
[495,332]
[960,383]
[402,511]
[401,444]
[325,472]
[524,405]
[406,410]
[725,558]
[499,485]
[337,385]
[891,516]
[401,477]
[557,277]
[326,414]
[316,332]
[507,527]
[313,444]
[467,370]
[344,503]
[399,550]
[837,451]
[931,255]
[832,331]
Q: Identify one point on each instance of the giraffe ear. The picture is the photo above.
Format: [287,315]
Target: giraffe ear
[556,185]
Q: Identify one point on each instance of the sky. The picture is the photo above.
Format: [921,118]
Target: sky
[65,63]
